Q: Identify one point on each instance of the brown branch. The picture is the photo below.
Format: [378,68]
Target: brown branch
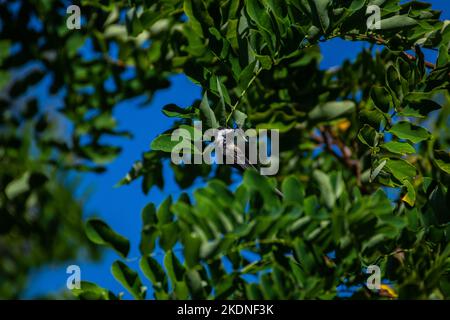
[379,40]
[329,139]
[329,149]
[429,65]
[119,63]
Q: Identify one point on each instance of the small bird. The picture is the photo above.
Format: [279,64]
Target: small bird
[240,160]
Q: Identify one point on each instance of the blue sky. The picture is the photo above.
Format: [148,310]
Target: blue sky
[121,207]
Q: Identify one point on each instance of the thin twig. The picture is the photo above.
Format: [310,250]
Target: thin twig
[243,94]
[429,65]
[379,40]
[329,139]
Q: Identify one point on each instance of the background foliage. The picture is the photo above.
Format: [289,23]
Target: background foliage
[348,135]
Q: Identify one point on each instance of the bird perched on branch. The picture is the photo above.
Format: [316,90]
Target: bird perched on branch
[225,141]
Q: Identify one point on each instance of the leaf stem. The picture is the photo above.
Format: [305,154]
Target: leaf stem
[242,94]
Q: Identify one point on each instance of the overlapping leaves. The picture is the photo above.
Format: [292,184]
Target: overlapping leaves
[212,248]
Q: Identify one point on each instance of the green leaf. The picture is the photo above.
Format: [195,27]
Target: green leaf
[373,117]
[331,110]
[91,291]
[398,147]
[258,183]
[169,236]
[148,215]
[164,213]
[266,61]
[18,186]
[321,10]
[442,160]
[292,190]
[164,143]
[154,272]
[368,136]
[393,81]
[190,11]
[410,195]
[401,169]
[313,33]
[195,284]
[305,256]
[224,99]
[377,170]
[181,290]
[260,16]
[239,118]
[100,233]
[192,250]
[208,113]
[129,279]
[381,98]
[147,18]
[173,267]
[357,5]
[326,190]
[149,234]
[172,110]
[443,57]
[409,131]
[104,121]
[133,24]
[246,75]
[418,107]
[397,21]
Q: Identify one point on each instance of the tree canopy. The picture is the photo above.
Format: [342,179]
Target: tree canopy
[364,147]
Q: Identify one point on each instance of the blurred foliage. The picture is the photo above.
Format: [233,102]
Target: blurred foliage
[41,219]
[348,134]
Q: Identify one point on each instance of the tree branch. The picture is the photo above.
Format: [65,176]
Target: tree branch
[329,139]
[379,40]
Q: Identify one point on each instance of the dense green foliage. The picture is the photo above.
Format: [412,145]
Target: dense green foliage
[40,218]
[348,135]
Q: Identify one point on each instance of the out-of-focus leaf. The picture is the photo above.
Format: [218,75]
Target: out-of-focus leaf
[326,190]
[331,110]
[100,233]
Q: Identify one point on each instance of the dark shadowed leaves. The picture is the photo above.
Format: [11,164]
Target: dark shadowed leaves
[100,233]
[129,279]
